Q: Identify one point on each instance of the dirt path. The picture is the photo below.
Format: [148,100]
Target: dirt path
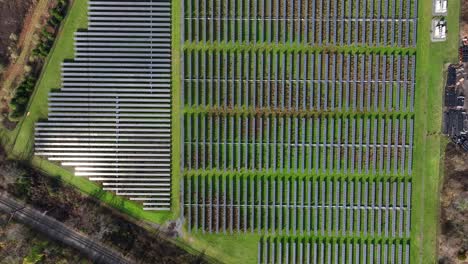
[15,71]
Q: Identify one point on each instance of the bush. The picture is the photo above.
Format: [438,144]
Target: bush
[21,186]
[57,14]
[47,38]
[20,101]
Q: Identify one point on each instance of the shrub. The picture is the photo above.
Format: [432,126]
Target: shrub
[46,38]
[20,101]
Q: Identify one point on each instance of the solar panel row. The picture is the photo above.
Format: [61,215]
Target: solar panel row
[332,250]
[317,22]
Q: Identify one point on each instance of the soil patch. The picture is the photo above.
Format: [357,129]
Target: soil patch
[12,13]
[86,214]
[453,239]
[464,18]
[19,244]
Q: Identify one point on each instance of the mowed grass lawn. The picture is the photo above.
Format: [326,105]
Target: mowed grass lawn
[20,142]
[176,106]
[431,61]
[235,248]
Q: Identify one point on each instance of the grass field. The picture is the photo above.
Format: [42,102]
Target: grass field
[431,60]
[226,248]
[176,106]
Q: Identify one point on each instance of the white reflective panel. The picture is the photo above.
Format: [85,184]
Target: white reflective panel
[112,119]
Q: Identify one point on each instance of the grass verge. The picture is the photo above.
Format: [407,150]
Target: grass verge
[236,248]
[431,58]
[176,106]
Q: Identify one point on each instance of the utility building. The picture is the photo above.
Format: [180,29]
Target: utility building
[439,7]
[439,30]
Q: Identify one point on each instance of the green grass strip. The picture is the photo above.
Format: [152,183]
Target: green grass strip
[296,175]
[176,136]
[428,152]
[250,111]
[295,47]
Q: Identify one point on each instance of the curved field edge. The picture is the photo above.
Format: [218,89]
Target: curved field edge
[20,142]
[431,62]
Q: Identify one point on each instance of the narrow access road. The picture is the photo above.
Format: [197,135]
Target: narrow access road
[96,251]
[15,70]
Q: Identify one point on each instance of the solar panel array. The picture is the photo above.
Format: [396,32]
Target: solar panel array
[322,145]
[332,206]
[298,125]
[333,250]
[334,22]
[111,120]
[299,81]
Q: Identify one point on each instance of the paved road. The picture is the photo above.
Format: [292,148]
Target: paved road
[60,232]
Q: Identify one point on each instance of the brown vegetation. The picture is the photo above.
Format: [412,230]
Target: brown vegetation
[13,13]
[464,19]
[87,215]
[453,240]
[19,244]
[27,22]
